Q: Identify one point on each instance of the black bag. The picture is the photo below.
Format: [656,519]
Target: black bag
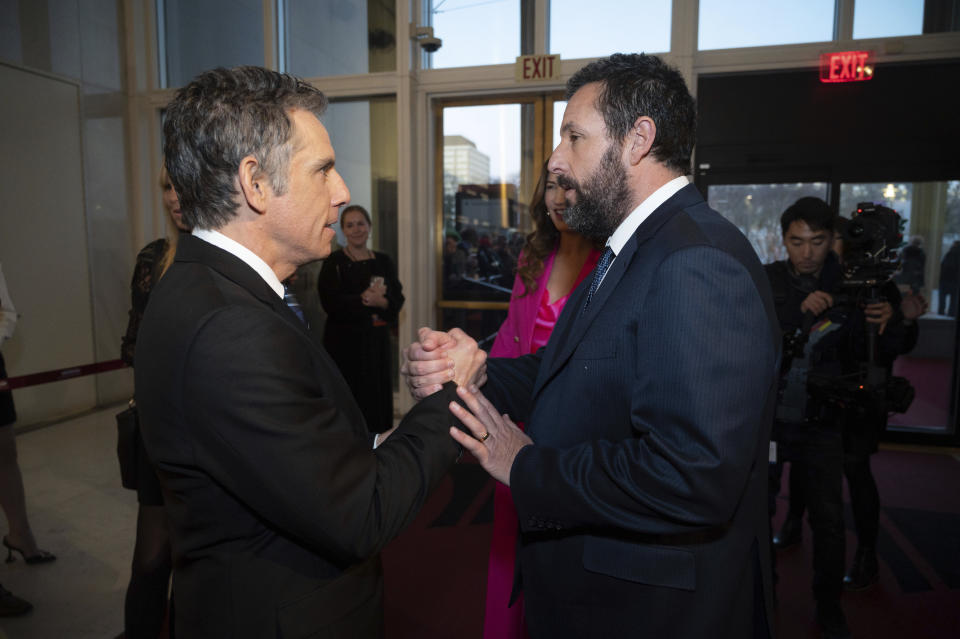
[128,445]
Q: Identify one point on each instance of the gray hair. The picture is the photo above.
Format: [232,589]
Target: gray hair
[222,116]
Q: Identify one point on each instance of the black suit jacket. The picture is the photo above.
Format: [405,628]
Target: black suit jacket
[642,503]
[277,501]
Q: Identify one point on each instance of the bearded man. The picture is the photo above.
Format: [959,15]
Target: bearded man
[640,483]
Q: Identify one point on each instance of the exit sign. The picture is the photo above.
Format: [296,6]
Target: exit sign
[846,66]
[537,67]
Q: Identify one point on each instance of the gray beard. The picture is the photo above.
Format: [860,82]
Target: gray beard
[602,200]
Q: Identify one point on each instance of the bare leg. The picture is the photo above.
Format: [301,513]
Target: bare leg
[12,498]
[146,602]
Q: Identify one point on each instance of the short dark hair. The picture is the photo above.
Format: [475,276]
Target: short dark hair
[815,212]
[356,207]
[222,116]
[636,84]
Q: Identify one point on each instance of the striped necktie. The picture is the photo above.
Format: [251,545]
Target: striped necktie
[598,272]
[291,301]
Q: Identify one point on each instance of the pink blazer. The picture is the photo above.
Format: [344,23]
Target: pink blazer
[516,333]
[502,621]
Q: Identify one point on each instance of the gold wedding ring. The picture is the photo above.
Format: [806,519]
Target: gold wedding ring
[484,437]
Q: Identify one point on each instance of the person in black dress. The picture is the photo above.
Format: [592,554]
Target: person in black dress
[145,605]
[362,296]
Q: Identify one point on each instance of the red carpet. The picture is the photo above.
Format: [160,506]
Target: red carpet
[436,570]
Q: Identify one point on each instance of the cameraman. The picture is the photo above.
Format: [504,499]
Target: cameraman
[835,431]
[804,287]
[895,320]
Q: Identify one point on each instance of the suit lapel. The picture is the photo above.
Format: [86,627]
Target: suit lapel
[573,324]
[192,249]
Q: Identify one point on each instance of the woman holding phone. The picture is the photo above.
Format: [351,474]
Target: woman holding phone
[362,296]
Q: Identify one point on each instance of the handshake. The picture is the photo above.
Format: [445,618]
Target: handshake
[439,357]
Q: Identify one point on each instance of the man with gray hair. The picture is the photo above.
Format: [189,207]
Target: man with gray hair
[279,500]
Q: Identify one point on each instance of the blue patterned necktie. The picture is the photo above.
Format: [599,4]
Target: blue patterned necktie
[598,272]
[291,301]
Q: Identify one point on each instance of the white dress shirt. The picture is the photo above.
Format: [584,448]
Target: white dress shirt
[633,221]
[243,253]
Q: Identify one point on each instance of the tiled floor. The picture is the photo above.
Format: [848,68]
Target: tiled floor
[80,512]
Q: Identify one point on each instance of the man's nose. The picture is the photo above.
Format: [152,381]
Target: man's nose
[557,163]
[340,193]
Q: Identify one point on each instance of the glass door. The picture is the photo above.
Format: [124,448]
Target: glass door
[489,159]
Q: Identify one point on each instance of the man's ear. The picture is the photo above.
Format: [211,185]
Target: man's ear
[640,138]
[253,184]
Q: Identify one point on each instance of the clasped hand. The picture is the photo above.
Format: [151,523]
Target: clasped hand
[441,357]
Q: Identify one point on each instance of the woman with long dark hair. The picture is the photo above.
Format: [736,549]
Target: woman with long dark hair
[554,260]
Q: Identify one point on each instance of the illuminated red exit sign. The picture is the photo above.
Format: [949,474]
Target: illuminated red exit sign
[846,66]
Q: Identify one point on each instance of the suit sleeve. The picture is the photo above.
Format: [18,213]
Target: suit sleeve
[270,428]
[510,384]
[703,369]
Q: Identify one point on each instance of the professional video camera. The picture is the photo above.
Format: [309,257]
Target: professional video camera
[870,260]
[870,243]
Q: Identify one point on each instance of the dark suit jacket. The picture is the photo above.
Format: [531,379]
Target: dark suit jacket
[277,501]
[642,503]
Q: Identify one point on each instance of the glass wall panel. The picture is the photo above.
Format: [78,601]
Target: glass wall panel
[364,137]
[558,108]
[339,38]
[727,24]
[76,40]
[897,196]
[574,34]
[756,210]
[484,207]
[10,43]
[197,36]
[886,18]
[475,33]
[930,213]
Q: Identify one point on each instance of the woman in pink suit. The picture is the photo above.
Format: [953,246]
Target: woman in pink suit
[553,262]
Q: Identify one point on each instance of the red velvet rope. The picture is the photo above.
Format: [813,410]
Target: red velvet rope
[60,374]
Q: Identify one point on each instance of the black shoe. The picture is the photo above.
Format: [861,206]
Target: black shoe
[41,557]
[12,605]
[864,572]
[790,533]
[832,621]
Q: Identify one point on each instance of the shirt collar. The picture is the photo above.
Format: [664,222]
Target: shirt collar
[642,212]
[241,252]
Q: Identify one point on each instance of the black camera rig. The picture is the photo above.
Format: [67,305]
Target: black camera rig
[870,259]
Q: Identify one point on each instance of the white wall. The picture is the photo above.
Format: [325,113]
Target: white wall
[43,244]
